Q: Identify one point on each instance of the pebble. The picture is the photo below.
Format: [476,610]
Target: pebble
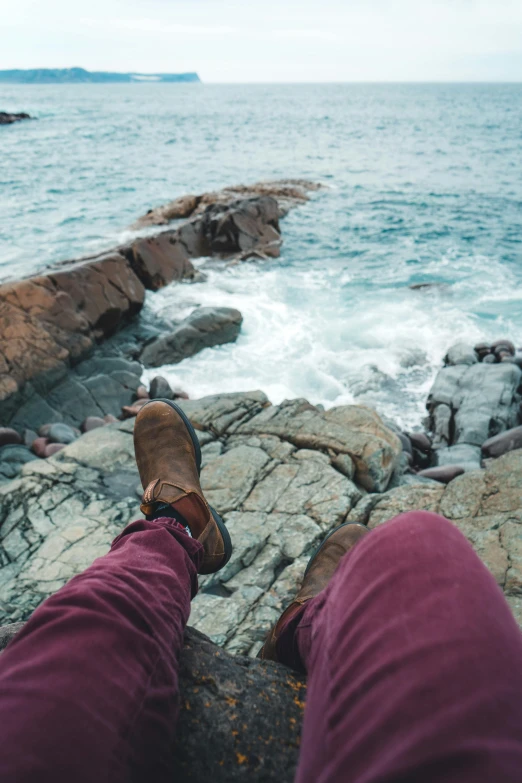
[109,418]
[444,473]
[160,389]
[53,448]
[142,393]
[62,433]
[39,445]
[128,411]
[501,444]
[501,345]
[8,436]
[92,423]
[44,430]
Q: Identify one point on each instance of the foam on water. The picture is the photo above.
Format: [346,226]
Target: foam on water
[424,187]
[319,334]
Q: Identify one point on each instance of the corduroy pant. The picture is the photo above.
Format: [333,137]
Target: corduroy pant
[414,665]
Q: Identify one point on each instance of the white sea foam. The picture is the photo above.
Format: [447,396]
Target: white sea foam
[308,333]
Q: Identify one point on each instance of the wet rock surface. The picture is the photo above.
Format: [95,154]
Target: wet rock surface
[6,118]
[288,194]
[50,322]
[204,328]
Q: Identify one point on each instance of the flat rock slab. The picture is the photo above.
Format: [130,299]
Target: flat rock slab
[485,504]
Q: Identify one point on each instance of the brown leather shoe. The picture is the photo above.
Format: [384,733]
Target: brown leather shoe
[169,463]
[322,566]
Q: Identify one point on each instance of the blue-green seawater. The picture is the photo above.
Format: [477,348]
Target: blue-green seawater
[424,185]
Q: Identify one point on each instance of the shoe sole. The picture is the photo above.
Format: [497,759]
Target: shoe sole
[345,524]
[225,535]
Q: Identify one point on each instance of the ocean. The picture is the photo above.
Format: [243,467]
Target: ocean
[423,186]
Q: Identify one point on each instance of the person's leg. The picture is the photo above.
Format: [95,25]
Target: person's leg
[88,688]
[414,664]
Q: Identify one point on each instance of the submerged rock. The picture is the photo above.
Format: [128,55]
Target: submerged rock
[7,118]
[204,328]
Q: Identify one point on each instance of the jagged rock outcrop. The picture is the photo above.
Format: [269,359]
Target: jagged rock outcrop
[205,327]
[288,193]
[473,400]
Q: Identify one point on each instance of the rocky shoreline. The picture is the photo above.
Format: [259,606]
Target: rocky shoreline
[281,475]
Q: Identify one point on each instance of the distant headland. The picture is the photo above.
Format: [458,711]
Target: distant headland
[81,76]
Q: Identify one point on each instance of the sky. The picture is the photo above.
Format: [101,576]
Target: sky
[271,40]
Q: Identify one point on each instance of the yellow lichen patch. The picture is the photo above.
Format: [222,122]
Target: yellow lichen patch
[230,701]
[241,759]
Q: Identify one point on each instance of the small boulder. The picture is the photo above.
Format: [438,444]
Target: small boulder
[44,430]
[16,454]
[204,328]
[8,435]
[444,474]
[53,448]
[62,433]
[128,411]
[39,445]
[92,423]
[142,393]
[406,443]
[489,359]
[160,389]
[109,418]
[461,353]
[503,345]
[501,444]
[29,437]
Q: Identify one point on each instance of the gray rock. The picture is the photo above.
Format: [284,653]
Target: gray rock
[352,429]
[61,433]
[160,389]
[12,458]
[204,328]
[9,436]
[461,353]
[483,400]
[463,455]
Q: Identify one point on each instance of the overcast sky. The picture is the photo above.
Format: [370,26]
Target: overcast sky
[271,40]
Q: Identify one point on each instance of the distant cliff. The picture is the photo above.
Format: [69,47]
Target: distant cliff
[81,76]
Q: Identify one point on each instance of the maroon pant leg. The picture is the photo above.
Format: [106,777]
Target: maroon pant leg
[88,688]
[414,663]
